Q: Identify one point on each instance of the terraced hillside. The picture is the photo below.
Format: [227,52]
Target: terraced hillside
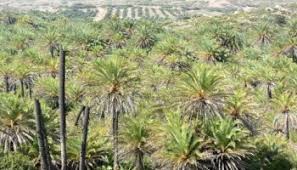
[136,9]
[137,12]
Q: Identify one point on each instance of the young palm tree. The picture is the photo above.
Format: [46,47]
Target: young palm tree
[228,144]
[229,38]
[16,122]
[22,72]
[51,38]
[180,148]
[115,82]
[134,137]
[285,121]
[290,50]
[293,29]
[212,52]
[239,107]
[6,71]
[199,95]
[47,88]
[264,35]
[145,37]
[97,153]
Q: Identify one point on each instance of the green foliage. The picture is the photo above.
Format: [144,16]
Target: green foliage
[270,154]
[216,93]
[11,161]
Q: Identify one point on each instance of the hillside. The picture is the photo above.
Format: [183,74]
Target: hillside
[148,86]
[137,9]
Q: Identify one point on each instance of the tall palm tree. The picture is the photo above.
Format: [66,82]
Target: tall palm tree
[285,121]
[82,161]
[179,147]
[17,122]
[199,93]
[114,94]
[46,163]
[62,108]
[228,144]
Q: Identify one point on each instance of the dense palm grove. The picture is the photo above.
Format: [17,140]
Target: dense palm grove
[215,93]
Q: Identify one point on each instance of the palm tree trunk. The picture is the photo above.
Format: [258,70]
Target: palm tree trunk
[79,115]
[30,83]
[52,50]
[6,82]
[62,110]
[287,126]
[82,164]
[269,92]
[139,160]
[22,88]
[115,127]
[42,138]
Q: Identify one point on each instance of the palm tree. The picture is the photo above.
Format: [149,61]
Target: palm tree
[290,50]
[51,38]
[134,137]
[285,121]
[198,93]
[170,46]
[16,122]
[269,76]
[22,72]
[145,37]
[180,148]
[82,161]
[116,84]
[270,153]
[46,163]
[62,108]
[47,88]
[98,152]
[228,144]
[264,34]
[293,29]
[6,71]
[239,107]
[212,52]
[228,38]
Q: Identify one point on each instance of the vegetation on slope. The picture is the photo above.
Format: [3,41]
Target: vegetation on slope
[215,93]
